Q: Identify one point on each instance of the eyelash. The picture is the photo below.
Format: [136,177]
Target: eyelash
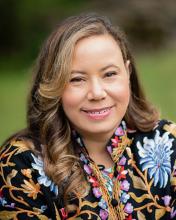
[109,74]
[79,79]
[76,79]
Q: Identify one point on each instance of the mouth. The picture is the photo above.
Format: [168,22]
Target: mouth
[100,113]
[97,111]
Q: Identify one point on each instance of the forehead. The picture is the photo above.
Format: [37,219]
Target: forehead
[98,49]
[96,41]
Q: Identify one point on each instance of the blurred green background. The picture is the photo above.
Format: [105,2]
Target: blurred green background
[150,27]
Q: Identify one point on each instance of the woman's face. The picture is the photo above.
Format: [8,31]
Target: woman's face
[96,98]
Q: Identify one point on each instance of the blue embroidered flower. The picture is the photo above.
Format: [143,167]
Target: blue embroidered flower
[43,208]
[125,197]
[102,203]
[43,179]
[3,201]
[83,158]
[155,156]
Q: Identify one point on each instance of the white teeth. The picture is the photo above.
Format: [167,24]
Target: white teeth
[100,112]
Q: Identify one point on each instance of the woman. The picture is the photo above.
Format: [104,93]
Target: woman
[94,148]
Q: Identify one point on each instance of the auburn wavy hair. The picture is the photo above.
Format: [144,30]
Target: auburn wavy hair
[48,126]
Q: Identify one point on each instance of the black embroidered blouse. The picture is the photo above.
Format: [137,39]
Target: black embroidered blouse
[145,181]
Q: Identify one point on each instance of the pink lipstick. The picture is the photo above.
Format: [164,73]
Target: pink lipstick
[98,114]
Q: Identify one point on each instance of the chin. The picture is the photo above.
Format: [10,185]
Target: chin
[99,129]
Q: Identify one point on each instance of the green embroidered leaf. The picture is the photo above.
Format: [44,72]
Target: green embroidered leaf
[173,181]
[42,217]
[171,128]
[137,182]
[128,150]
[7,215]
[57,213]
[11,164]
[11,175]
[90,204]
[159,213]
[139,199]
[21,148]
[140,215]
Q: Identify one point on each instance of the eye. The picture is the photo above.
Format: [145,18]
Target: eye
[109,74]
[76,79]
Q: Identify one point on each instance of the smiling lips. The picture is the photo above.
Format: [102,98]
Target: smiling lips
[98,114]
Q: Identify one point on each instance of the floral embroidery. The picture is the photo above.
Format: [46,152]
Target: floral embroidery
[173,177]
[173,213]
[25,193]
[103,214]
[96,192]
[108,175]
[19,192]
[124,186]
[31,188]
[26,172]
[103,204]
[3,201]
[171,128]
[116,144]
[43,179]
[155,156]
[125,197]
[166,200]
[128,208]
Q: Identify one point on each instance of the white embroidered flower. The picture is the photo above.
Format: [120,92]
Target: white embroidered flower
[155,156]
[43,178]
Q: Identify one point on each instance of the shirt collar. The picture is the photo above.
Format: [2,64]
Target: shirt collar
[115,146]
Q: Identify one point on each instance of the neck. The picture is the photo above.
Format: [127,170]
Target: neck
[96,142]
[96,147]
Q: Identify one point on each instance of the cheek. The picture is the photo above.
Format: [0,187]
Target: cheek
[70,100]
[121,91]
[68,104]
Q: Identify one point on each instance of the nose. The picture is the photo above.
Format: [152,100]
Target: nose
[96,90]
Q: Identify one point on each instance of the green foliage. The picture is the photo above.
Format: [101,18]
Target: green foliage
[24,24]
[13,94]
[157,73]
[158,77]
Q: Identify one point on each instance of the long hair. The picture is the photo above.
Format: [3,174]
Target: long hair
[46,122]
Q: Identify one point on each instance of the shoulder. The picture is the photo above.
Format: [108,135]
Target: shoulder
[161,138]
[17,160]
[164,136]
[167,126]
[163,128]
[156,151]
[20,151]
[153,159]
[24,184]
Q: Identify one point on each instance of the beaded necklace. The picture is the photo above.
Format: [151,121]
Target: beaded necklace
[109,204]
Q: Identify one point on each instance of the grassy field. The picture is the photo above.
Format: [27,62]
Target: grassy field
[157,72]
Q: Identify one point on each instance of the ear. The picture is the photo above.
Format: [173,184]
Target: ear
[127,67]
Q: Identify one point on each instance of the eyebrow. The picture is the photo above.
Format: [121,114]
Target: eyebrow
[108,66]
[102,69]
